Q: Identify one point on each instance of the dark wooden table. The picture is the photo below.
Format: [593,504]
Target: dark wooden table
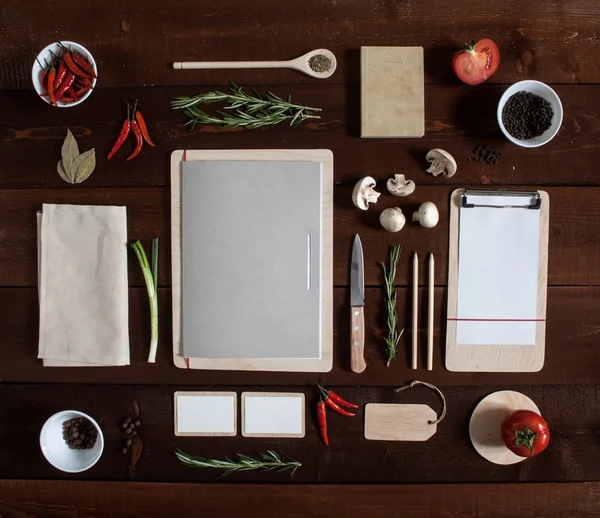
[134,41]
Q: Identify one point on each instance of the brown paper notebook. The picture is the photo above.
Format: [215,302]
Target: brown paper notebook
[392,92]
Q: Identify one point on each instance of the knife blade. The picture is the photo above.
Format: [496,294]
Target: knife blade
[357,303]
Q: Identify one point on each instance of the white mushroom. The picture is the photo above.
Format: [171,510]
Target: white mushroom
[400,186]
[427,215]
[441,162]
[392,219]
[363,193]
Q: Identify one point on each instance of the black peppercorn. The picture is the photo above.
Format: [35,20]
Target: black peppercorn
[526,115]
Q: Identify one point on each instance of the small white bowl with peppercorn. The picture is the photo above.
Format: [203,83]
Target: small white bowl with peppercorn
[71,441]
[530,113]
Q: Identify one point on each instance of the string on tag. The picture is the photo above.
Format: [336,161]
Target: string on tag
[432,387]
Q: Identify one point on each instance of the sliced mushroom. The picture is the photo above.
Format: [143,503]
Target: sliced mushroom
[400,186]
[441,162]
[392,219]
[363,193]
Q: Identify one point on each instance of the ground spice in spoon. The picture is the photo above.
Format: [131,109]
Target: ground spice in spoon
[319,63]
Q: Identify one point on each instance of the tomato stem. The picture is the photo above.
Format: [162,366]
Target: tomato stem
[525,437]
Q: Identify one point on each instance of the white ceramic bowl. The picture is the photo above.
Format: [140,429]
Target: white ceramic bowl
[57,452]
[543,90]
[46,55]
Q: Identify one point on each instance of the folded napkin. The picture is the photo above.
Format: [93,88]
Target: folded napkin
[83,289]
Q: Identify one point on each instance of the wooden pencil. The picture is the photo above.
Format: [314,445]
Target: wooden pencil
[430,315]
[415,311]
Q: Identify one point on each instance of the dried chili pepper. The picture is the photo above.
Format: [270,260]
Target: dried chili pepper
[123,134]
[144,128]
[84,65]
[60,75]
[336,397]
[334,406]
[51,78]
[322,418]
[66,84]
[135,128]
[73,66]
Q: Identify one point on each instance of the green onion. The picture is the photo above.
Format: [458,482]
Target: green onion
[151,278]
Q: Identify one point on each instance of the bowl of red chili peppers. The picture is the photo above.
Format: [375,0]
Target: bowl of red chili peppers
[64,74]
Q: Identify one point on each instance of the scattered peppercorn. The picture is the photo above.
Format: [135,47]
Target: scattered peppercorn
[79,433]
[489,156]
[128,442]
[526,115]
[137,423]
[123,450]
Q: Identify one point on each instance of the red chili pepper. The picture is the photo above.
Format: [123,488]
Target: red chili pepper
[322,418]
[72,93]
[67,99]
[139,140]
[82,91]
[66,84]
[335,397]
[73,66]
[143,128]
[60,75]
[334,406]
[122,135]
[84,65]
[51,77]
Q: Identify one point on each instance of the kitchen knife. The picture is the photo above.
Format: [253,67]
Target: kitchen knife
[357,303]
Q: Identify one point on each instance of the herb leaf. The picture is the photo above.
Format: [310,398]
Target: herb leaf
[61,171]
[389,276]
[69,152]
[84,165]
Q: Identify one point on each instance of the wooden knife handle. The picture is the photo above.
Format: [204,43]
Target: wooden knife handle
[357,339]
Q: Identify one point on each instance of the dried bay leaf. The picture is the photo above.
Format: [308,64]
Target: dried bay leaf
[135,451]
[61,171]
[69,152]
[83,166]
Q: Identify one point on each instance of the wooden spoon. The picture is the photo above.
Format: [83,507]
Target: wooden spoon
[301,64]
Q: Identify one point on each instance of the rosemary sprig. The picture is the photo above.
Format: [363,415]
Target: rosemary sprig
[269,461]
[389,276]
[244,110]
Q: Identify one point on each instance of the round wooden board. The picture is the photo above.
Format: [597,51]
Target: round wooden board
[486,420]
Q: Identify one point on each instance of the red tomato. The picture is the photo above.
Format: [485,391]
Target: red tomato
[525,433]
[476,62]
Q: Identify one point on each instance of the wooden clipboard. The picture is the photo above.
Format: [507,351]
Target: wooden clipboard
[496,357]
[325,362]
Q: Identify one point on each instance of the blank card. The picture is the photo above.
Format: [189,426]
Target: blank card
[272,414]
[205,413]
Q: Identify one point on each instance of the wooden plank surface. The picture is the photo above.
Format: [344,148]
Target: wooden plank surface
[447,457]
[574,232]
[571,346]
[73,499]
[458,118]
[134,43]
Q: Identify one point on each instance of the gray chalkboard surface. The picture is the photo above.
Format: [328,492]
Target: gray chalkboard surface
[251,259]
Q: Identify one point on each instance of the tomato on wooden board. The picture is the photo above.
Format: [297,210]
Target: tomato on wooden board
[476,62]
[525,433]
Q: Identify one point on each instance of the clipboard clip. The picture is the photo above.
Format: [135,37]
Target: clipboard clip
[535,199]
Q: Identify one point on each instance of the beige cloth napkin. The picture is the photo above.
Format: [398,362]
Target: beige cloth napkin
[83,287]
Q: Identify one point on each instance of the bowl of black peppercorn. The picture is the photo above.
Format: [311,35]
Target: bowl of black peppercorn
[71,441]
[530,113]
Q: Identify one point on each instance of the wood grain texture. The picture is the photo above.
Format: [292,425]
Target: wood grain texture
[571,346]
[457,119]
[357,339]
[135,43]
[447,457]
[77,499]
[573,249]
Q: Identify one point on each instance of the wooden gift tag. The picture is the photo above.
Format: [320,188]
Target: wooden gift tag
[273,414]
[209,414]
[399,422]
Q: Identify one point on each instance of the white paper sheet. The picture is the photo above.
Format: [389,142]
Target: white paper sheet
[206,414]
[498,262]
[274,414]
